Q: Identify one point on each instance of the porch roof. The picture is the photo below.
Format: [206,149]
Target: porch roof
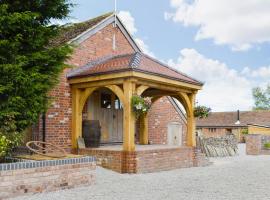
[137,62]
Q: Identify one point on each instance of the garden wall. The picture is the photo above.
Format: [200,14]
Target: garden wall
[255,144]
[32,177]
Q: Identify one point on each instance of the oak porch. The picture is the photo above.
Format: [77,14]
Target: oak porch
[125,85]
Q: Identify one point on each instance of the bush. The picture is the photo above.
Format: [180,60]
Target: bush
[267,145]
[9,138]
[244,131]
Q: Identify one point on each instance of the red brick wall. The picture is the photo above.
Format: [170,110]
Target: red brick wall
[164,159]
[58,119]
[161,114]
[217,133]
[146,161]
[100,45]
[253,144]
[18,182]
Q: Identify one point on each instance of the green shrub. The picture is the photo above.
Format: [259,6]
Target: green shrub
[267,145]
[244,131]
[9,138]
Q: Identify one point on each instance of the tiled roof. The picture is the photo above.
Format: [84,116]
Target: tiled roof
[228,119]
[70,31]
[131,62]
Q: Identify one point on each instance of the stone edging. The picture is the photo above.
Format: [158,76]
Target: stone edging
[45,163]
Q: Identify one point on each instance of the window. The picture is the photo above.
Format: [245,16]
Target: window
[228,131]
[117,104]
[212,130]
[106,101]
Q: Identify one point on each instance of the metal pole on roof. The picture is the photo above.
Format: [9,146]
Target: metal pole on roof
[115,9]
[114,38]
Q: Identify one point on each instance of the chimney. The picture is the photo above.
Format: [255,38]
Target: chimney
[238,118]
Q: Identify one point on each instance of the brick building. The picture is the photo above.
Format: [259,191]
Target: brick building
[106,66]
[237,123]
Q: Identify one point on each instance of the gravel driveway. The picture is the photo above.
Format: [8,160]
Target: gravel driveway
[242,177]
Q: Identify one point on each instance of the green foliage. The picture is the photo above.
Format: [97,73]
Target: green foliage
[267,145]
[29,66]
[261,98]
[9,137]
[201,111]
[140,105]
[244,131]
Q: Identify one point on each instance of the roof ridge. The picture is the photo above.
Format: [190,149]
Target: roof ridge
[70,31]
[167,66]
[135,60]
[106,15]
[244,111]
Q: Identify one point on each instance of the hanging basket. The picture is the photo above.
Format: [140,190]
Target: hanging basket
[140,105]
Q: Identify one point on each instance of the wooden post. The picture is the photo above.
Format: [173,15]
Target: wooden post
[76,116]
[191,135]
[144,129]
[129,118]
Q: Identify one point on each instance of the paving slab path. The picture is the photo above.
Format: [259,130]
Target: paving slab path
[241,177]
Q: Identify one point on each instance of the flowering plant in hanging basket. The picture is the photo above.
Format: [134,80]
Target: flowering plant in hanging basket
[140,105]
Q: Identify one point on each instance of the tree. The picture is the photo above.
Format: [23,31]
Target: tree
[29,66]
[261,98]
[201,111]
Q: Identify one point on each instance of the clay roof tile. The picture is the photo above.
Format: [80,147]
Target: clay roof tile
[131,62]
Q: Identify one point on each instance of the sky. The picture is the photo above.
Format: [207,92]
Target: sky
[223,43]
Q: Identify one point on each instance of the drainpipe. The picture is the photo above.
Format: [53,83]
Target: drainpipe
[44,130]
[44,127]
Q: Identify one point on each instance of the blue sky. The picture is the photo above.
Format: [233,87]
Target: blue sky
[228,49]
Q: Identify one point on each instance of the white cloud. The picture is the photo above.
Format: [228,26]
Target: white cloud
[144,47]
[239,24]
[225,89]
[261,73]
[129,21]
[66,21]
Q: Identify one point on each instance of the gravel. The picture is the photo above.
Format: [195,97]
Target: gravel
[241,177]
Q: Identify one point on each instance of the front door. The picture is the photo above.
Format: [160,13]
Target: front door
[108,109]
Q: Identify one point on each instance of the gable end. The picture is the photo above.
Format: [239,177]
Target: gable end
[107,21]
